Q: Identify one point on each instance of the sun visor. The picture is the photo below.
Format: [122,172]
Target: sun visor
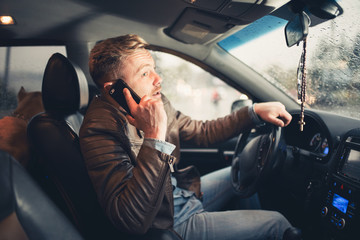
[197,26]
[206,21]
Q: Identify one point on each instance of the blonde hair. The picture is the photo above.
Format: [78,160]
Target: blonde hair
[108,55]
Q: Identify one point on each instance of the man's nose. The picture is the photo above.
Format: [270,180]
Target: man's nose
[157,79]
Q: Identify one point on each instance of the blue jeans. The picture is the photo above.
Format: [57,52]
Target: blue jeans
[228,225]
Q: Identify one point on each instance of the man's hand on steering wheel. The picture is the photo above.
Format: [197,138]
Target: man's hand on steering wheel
[255,160]
[273,112]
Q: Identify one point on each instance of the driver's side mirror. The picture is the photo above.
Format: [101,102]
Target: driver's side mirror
[297,29]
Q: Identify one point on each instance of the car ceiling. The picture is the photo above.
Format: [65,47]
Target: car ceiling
[93,20]
[187,26]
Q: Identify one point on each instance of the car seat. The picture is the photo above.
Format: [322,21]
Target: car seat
[58,163]
[26,212]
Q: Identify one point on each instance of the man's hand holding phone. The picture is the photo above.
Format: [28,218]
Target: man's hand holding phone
[149,115]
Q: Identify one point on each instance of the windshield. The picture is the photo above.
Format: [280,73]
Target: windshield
[332,62]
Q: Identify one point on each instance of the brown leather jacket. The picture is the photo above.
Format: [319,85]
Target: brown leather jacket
[132,181]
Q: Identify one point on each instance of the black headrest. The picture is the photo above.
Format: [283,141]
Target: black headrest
[64,88]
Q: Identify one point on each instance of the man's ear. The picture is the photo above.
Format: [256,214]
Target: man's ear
[107,86]
[21,93]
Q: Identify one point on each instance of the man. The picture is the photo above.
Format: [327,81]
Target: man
[132,161]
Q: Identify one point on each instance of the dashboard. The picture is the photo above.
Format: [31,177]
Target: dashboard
[314,141]
[326,154]
[340,209]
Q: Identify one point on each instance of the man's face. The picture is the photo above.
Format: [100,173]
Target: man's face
[139,73]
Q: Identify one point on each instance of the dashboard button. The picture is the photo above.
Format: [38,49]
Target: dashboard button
[324,211]
[341,223]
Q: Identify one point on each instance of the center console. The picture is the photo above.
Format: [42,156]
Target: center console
[341,206]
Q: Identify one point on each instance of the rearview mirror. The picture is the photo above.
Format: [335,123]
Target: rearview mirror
[297,29]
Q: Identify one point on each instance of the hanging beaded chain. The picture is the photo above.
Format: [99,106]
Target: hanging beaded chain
[302,85]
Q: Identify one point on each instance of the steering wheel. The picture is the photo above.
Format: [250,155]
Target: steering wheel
[255,160]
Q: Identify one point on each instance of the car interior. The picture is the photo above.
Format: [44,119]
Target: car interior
[24,206]
[309,171]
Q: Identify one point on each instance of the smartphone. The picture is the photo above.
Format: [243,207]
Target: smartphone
[116,91]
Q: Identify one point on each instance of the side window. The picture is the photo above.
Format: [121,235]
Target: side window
[192,90]
[22,67]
